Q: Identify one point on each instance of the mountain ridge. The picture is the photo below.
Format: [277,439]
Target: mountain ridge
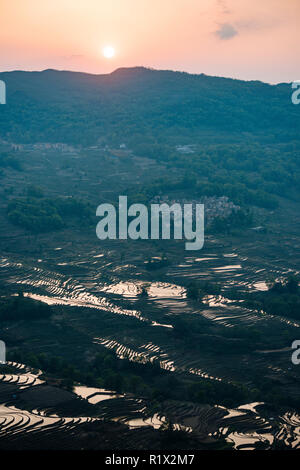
[78,108]
[138,68]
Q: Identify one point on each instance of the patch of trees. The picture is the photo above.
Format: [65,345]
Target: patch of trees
[8,160]
[196,290]
[37,213]
[23,308]
[282,298]
[105,371]
[147,380]
[34,191]
[248,173]
[225,394]
[156,263]
[142,102]
[245,139]
[237,219]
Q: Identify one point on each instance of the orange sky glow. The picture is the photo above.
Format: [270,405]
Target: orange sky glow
[247,39]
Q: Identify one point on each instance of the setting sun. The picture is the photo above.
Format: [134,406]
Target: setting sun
[108,52]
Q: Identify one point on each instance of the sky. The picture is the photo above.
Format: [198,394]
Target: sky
[246,39]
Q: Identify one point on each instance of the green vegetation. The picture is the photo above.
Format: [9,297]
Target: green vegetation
[236,220]
[165,102]
[9,160]
[40,214]
[196,290]
[147,380]
[34,191]
[242,142]
[244,135]
[34,214]
[156,263]
[248,173]
[23,308]
[282,298]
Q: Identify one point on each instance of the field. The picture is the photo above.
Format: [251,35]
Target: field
[166,368]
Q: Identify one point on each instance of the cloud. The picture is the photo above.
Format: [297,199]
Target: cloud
[222,4]
[226,31]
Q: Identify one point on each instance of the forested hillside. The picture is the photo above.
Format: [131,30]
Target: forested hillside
[56,105]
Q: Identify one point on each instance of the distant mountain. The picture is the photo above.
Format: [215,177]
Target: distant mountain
[77,107]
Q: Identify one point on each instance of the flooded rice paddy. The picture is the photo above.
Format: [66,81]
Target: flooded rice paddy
[101,282]
[249,424]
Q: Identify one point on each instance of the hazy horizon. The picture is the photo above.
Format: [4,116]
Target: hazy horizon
[247,40]
[146,68]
